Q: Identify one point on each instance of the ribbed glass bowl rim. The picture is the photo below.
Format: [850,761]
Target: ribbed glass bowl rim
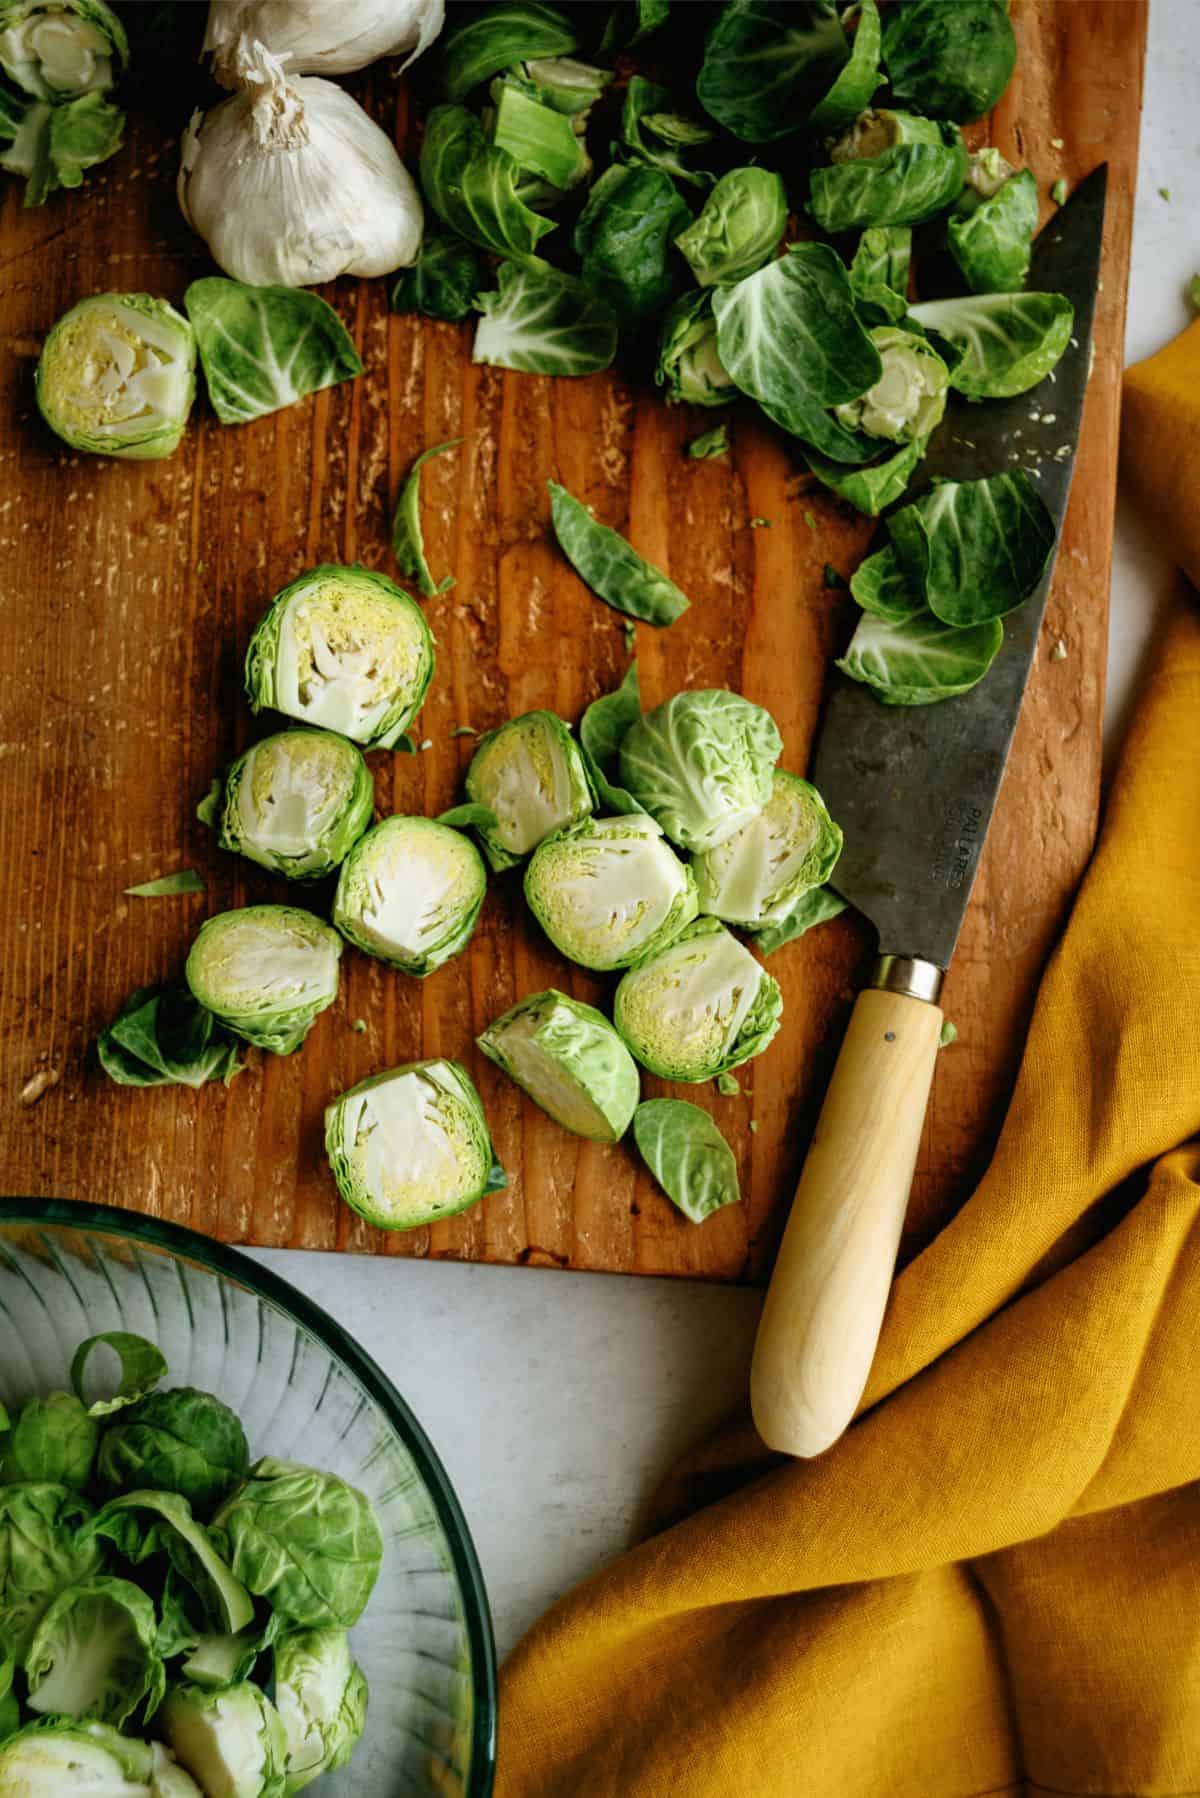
[177,1239]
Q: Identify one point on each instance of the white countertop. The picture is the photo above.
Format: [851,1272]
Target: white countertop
[557,1400]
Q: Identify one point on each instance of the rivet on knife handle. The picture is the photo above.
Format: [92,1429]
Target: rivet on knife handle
[825,1304]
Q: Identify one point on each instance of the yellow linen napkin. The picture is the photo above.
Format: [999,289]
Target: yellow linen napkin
[992,1583]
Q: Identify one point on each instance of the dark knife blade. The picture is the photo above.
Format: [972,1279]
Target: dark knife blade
[914,787]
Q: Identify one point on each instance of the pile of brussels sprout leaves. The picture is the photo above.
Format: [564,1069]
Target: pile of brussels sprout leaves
[173,1618]
[629,212]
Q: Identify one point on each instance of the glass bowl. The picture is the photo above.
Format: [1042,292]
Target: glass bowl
[305,1392]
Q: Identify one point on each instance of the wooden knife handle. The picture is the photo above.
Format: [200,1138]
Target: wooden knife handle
[825,1304]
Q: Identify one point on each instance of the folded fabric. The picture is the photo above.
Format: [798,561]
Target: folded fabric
[992,1583]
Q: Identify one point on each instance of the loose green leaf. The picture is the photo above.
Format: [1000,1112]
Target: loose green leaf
[1006,343]
[42,1552]
[948,1034]
[54,145]
[790,338]
[709,444]
[610,566]
[812,908]
[1059,192]
[670,134]
[472,186]
[209,809]
[601,730]
[499,35]
[882,588]
[263,348]
[142,1367]
[463,817]
[879,273]
[306,1540]
[919,660]
[767,63]
[168,885]
[858,79]
[687,1155]
[974,549]
[408,539]
[144,1524]
[738,228]
[991,238]
[872,488]
[537,137]
[544,323]
[443,281]
[93,1654]
[951,59]
[624,239]
[902,186]
[632,20]
[728,1085]
[162,1037]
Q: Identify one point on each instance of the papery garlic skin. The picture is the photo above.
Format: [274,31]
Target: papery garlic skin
[322,37]
[291,184]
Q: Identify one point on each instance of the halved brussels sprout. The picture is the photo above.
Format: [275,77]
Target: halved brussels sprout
[909,398]
[346,649]
[117,376]
[297,803]
[610,890]
[321,1697]
[755,877]
[571,1062]
[699,1007]
[411,1146]
[60,1758]
[410,892]
[266,971]
[59,49]
[531,774]
[232,1741]
[701,764]
[688,365]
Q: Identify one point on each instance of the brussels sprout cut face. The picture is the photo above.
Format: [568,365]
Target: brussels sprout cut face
[699,1007]
[755,877]
[609,891]
[909,398]
[266,971]
[116,376]
[530,773]
[231,1740]
[701,764]
[321,1697]
[570,1061]
[345,649]
[59,49]
[297,803]
[60,1760]
[411,1146]
[410,893]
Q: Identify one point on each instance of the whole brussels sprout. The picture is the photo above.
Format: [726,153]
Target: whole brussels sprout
[701,764]
[180,1440]
[53,1439]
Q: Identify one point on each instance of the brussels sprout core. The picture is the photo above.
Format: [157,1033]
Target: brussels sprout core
[410,1146]
[297,802]
[116,376]
[410,893]
[266,971]
[609,891]
[755,877]
[909,398]
[59,49]
[570,1061]
[739,226]
[877,130]
[345,649]
[531,773]
[699,1007]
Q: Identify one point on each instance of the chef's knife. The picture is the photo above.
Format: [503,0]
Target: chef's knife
[913,789]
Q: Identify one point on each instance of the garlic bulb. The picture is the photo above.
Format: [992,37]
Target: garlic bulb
[322,37]
[289,182]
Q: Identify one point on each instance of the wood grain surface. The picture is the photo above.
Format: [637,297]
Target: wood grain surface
[128,593]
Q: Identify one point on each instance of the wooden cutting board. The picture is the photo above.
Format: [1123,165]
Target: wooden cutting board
[127,595]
